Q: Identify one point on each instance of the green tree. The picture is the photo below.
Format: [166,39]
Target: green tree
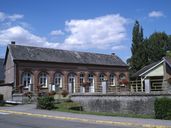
[158,45]
[146,51]
[137,48]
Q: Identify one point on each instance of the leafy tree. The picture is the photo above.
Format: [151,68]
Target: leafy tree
[158,45]
[137,48]
[146,51]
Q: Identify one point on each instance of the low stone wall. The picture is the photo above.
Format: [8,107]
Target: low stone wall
[126,103]
[20,97]
[6,90]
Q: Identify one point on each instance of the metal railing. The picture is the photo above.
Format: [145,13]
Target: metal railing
[155,85]
[97,88]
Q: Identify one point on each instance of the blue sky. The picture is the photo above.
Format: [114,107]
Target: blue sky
[103,26]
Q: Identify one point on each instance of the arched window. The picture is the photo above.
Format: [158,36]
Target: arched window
[58,79]
[122,76]
[26,79]
[101,77]
[43,79]
[81,79]
[91,80]
[112,80]
[71,79]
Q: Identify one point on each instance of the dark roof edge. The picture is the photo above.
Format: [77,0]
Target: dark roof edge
[64,50]
[139,72]
[72,63]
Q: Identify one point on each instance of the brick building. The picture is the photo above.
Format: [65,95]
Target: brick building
[40,68]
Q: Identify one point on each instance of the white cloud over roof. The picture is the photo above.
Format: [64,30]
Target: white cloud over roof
[156,14]
[14,17]
[105,32]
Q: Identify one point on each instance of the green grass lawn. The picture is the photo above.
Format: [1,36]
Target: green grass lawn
[76,108]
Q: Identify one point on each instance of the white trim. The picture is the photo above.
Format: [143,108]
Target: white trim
[167,62]
[151,68]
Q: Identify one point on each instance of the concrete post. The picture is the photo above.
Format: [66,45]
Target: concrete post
[30,87]
[53,87]
[82,89]
[50,87]
[147,86]
[104,87]
[70,87]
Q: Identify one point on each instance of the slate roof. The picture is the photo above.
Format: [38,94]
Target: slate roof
[30,53]
[1,69]
[145,68]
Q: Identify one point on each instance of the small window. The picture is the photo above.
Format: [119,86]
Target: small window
[26,79]
[43,79]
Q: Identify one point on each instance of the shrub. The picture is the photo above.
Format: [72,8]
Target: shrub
[45,102]
[162,107]
[1,97]
[1,100]
[52,93]
[64,93]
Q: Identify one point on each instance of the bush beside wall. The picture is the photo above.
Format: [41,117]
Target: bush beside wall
[1,100]
[1,97]
[45,102]
[162,107]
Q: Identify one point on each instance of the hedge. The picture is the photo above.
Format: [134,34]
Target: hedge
[45,102]
[162,107]
[1,100]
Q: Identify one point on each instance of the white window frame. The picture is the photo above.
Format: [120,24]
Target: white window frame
[71,79]
[26,79]
[122,76]
[112,80]
[91,80]
[101,77]
[58,79]
[43,79]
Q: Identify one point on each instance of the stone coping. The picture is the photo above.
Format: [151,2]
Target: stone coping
[123,94]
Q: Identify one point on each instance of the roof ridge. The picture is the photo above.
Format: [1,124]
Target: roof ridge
[32,53]
[62,49]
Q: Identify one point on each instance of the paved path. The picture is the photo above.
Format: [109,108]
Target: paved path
[32,111]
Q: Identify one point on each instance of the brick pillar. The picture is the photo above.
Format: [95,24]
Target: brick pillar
[51,77]
[107,77]
[65,80]
[77,84]
[18,86]
[97,81]
[117,77]
[86,80]
[35,81]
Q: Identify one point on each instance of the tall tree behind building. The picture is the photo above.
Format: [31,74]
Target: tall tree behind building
[148,50]
[137,49]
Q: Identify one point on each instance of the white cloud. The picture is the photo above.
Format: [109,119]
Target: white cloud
[24,37]
[101,32]
[56,33]
[118,47]
[2,16]
[155,14]
[106,32]
[14,17]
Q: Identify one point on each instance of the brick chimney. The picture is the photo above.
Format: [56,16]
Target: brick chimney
[12,42]
[113,54]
